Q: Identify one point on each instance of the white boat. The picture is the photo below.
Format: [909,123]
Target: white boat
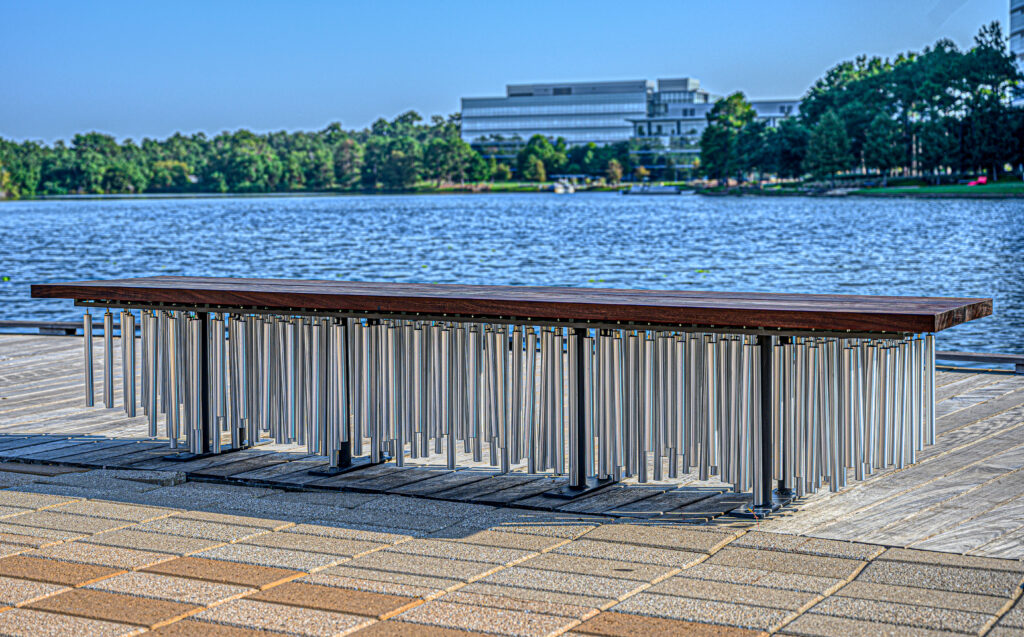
[650,189]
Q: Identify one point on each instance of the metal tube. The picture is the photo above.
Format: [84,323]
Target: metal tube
[90,392]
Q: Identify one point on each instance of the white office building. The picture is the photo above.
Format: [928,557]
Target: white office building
[672,111]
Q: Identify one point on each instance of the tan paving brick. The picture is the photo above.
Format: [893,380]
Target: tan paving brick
[21,622]
[372,586]
[676,536]
[192,628]
[13,549]
[269,556]
[740,575]
[201,529]
[339,600]
[588,602]
[521,541]
[736,593]
[113,556]
[421,565]
[48,535]
[518,603]
[124,609]
[809,546]
[390,577]
[240,520]
[905,614]
[1015,616]
[250,575]
[630,553]
[944,578]
[33,541]
[314,543]
[346,533]
[703,611]
[595,566]
[462,551]
[1005,631]
[568,530]
[114,510]
[392,628]
[591,585]
[922,597]
[808,625]
[66,522]
[6,511]
[277,617]
[172,589]
[53,571]
[480,618]
[29,500]
[157,542]
[952,559]
[778,561]
[612,624]
[15,592]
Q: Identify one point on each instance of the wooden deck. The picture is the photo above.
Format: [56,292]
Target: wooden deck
[965,494]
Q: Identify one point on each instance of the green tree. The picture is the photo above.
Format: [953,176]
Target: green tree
[718,156]
[534,170]
[883,149]
[789,148]
[828,148]
[502,172]
[938,146]
[552,156]
[753,149]
[400,170]
[348,163]
[613,171]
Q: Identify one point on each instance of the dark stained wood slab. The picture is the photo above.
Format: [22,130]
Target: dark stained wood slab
[702,309]
[432,486]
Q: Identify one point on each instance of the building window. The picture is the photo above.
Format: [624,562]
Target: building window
[659,129]
[565,90]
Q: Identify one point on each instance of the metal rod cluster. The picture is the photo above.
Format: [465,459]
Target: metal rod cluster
[655,404]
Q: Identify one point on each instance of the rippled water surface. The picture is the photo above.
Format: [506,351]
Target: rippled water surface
[846,246]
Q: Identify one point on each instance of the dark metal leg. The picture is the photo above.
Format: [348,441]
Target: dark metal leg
[582,484]
[766,500]
[205,413]
[342,460]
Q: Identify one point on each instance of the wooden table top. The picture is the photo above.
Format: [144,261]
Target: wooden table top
[750,310]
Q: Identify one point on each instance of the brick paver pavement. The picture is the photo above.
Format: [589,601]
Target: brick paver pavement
[122,553]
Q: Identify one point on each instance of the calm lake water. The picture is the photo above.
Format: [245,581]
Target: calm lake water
[845,246]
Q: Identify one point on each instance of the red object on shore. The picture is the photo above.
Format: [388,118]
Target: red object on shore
[980,181]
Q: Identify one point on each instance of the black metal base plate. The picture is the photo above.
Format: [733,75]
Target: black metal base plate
[361,462]
[185,456]
[779,500]
[590,486]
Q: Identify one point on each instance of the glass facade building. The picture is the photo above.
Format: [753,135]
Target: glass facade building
[579,112]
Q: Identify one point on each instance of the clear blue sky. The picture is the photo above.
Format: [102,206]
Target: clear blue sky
[147,69]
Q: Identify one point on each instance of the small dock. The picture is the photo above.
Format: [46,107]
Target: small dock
[964,495]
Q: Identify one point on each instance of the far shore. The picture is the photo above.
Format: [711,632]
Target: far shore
[998,190]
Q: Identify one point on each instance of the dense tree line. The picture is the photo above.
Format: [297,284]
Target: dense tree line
[389,155]
[942,110]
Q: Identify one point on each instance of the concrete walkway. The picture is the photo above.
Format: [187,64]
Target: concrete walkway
[118,552]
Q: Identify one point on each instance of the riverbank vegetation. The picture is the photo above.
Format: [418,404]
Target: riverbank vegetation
[942,114]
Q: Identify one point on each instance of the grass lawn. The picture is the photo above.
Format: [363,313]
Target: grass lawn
[999,188]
